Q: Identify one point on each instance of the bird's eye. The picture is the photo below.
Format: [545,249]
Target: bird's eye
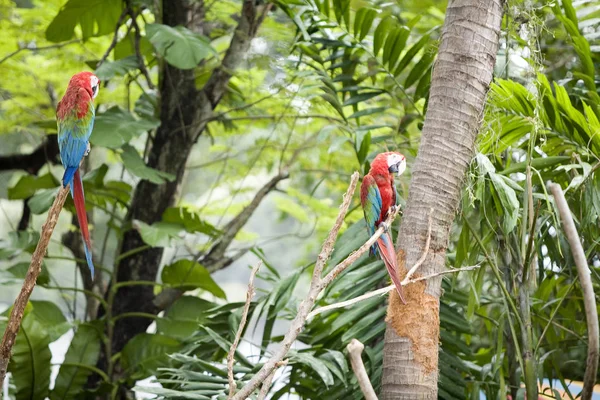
[95,90]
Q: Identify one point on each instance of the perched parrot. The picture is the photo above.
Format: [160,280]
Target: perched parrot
[378,196]
[75,117]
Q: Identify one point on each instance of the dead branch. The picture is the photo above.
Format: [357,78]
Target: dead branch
[355,349]
[421,260]
[587,289]
[137,37]
[309,300]
[238,335]
[382,291]
[16,314]
[264,390]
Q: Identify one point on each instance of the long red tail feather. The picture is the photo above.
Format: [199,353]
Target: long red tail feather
[78,199]
[388,254]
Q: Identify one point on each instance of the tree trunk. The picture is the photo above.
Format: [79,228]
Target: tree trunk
[184,113]
[460,81]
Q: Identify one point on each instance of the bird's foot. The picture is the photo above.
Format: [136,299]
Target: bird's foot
[87,150]
[393,209]
[386,226]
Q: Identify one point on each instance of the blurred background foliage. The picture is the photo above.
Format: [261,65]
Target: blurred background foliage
[325,86]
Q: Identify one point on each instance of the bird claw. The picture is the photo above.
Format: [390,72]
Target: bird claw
[386,226]
[393,209]
[87,150]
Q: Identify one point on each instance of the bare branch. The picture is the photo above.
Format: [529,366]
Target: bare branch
[113,43]
[587,289]
[238,335]
[137,38]
[52,46]
[306,304]
[382,291]
[411,272]
[16,314]
[217,252]
[32,162]
[355,349]
[264,390]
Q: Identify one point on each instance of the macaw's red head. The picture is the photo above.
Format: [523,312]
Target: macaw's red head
[86,80]
[389,162]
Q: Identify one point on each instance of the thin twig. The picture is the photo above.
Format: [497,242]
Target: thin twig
[308,302]
[264,390]
[115,38]
[238,335]
[52,46]
[137,37]
[421,260]
[382,291]
[355,349]
[587,289]
[16,315]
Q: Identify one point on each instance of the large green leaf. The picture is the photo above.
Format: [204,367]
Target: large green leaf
[95,17]
[116,127]
[42,200]
[181,47]
[30,361]
[192,275]
[158,234]
[121,67]
[49,315]
[184,316]
[80,358]
[29,184]
[135,164]
[145,353]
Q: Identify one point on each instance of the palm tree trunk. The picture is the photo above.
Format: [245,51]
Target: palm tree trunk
[460,81]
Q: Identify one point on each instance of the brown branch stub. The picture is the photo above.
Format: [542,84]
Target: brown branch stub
[16,314]
[238,335]
[355,349]
[587,289]
[264,390]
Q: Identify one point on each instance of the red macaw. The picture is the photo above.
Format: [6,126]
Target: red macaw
[75,117]
[378,196]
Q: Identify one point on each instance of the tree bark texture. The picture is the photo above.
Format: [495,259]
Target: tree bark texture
[461,78]
[184,113]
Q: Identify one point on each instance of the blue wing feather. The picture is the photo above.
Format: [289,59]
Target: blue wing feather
[73,137]
[371,206]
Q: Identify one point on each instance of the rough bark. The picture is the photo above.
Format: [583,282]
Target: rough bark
[184,112]
[460,81]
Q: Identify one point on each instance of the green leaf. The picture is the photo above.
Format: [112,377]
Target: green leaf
[20,271]
[179,46]
[313,362]
[95,17]
[381,33]
[410,55]
[116,127]
[190,220]
[28,185]
[361,97]
[146,352]
[184,317]
[134,164]
[50,317]
[73,374]
[17,243]
[121,67]
[30,361]
[42,200]
[193,275]
[125,47]
[158,234]
[364,146]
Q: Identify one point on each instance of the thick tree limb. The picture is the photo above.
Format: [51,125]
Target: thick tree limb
[16,314]
[587,289]
[182,106]
[355,349]
[238,335]
[47,151]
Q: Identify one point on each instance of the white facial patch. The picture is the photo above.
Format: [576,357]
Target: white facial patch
[95,84]
[397,159]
